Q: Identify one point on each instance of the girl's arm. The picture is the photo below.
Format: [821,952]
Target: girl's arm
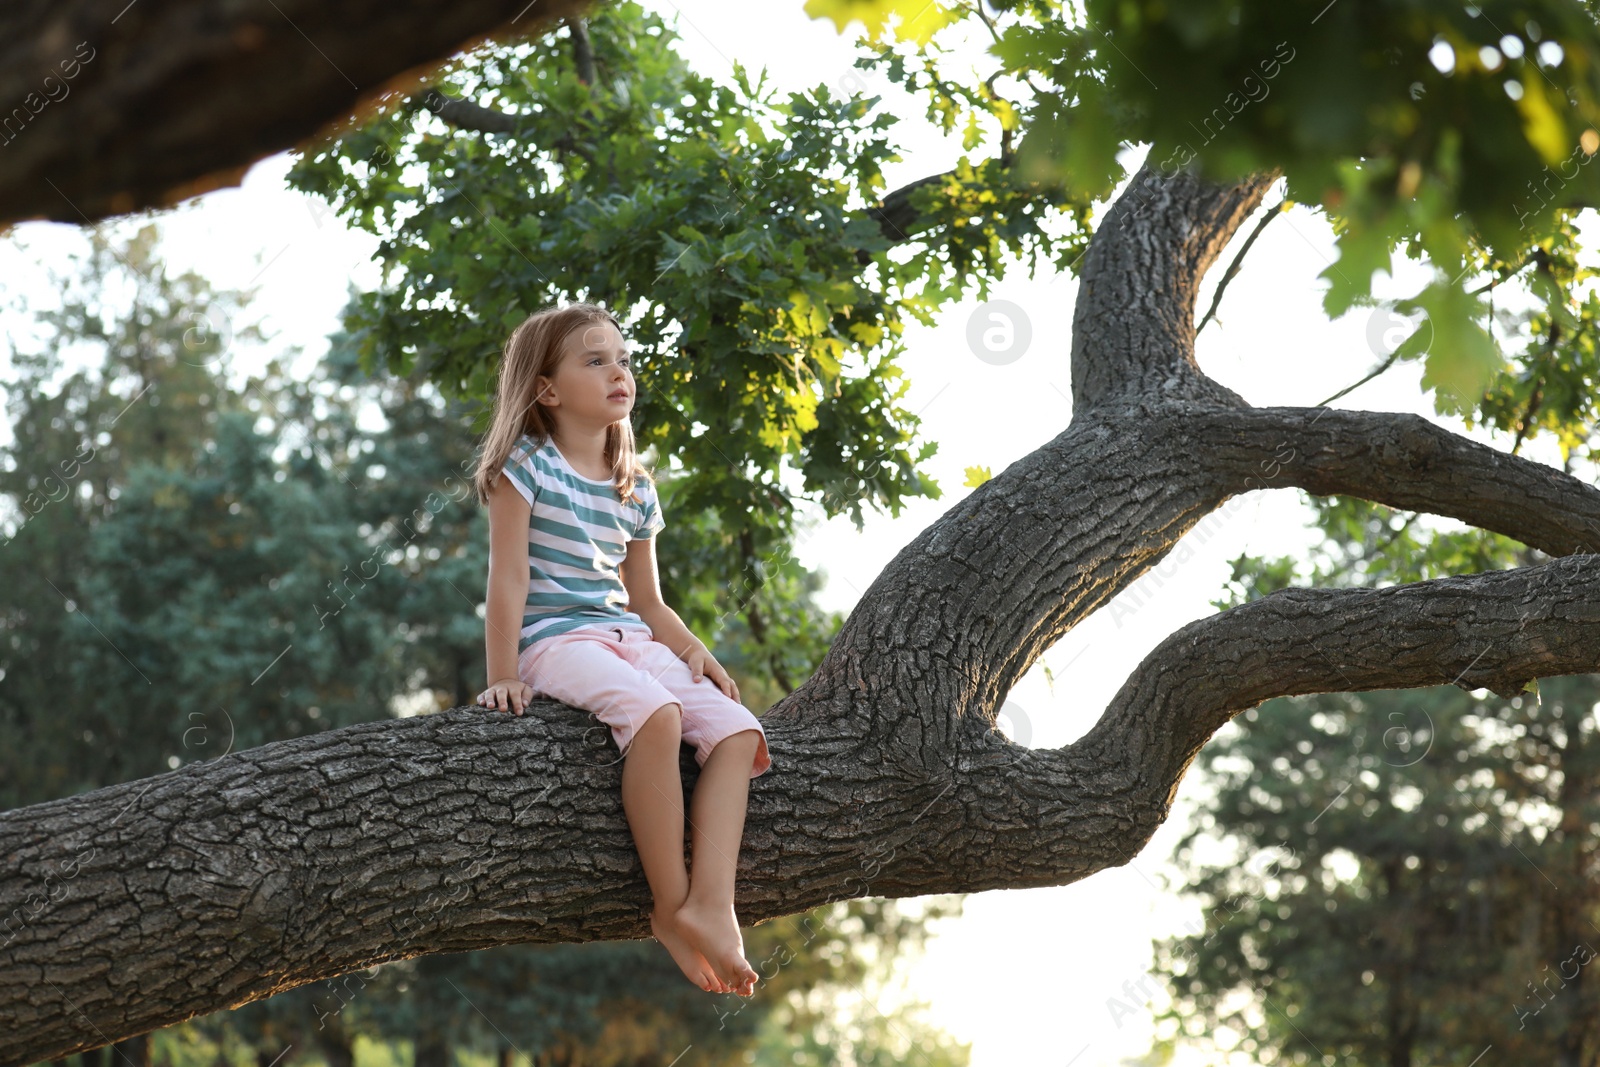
[508,583]
[644,600]
[643,583]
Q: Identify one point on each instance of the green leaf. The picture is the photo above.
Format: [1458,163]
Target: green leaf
[1463,358]
[1362,252]
[1543,125]
[916,20]
[1072,146]
[972,136]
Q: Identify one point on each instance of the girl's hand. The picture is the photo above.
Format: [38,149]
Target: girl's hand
[508,694]
[702,662]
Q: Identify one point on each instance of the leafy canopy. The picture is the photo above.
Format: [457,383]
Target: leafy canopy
[764,300]
[1458,134]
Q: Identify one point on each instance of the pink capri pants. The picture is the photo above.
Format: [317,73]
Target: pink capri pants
[623,675]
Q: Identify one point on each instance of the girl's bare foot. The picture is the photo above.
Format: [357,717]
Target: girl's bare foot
[714,933]
[685,955]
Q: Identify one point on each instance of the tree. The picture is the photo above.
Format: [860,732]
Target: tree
[1409,881]
[175,542]
[1395,877]
[892,781]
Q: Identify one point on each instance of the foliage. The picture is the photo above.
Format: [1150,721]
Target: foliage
[1456,134]
[1396,870]
[765,301]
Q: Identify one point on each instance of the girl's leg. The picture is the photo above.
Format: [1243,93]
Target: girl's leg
[652,797]
[716,827]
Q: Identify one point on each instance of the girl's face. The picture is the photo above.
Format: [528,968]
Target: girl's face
[593,380]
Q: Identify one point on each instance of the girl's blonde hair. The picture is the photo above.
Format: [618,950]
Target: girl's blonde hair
[532,350]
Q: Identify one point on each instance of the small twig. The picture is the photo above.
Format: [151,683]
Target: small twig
[582,50]
[1394,535]
[1233,268]
[1537,396]
[1344,568]
[1506,277]
[1533,409]
[1385,365]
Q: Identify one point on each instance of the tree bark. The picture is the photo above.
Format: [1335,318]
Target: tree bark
[111,110]
[146,903]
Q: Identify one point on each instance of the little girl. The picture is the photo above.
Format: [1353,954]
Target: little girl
[575,613]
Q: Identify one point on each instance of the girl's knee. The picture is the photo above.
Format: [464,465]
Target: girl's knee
[751,737]
[669,715]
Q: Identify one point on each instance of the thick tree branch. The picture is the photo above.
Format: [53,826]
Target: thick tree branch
[307,858]
[964,610]
[1496,631]
[895,216]
[466,115]
[114,112]
[1403,461]
[1133,327]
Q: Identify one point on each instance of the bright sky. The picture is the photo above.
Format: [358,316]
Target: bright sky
[1026,976]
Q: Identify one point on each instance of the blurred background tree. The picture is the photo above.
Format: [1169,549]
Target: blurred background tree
[1393,877]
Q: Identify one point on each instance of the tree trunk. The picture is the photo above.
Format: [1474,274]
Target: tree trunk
[110,112]
[335,1046]
[132,1051]
[1575,899]
[222,882]
[432,1051]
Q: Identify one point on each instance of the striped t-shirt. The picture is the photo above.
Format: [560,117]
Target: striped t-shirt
[578,534]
